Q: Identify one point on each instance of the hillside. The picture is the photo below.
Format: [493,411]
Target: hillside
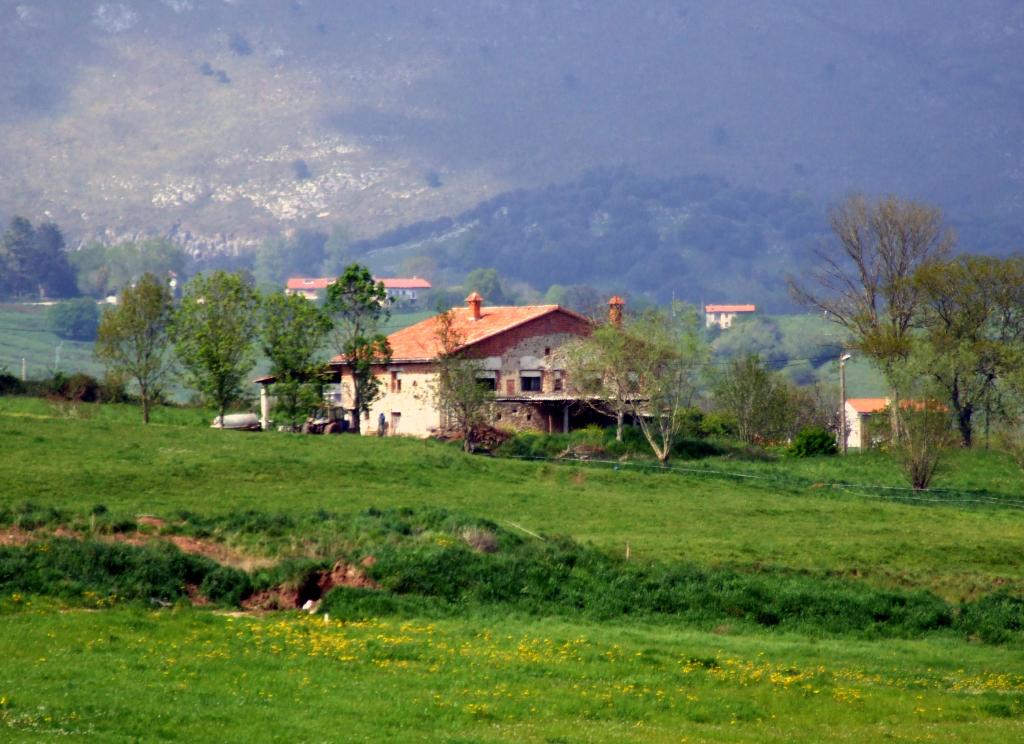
[219,122]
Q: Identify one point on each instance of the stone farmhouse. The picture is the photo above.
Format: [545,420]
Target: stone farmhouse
[405,289]
[518,352]
[723,315]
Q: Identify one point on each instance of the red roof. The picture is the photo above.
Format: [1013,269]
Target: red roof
[868,405]
[301,282]
[419,342]
[730,308]
[401,283]
[877,405]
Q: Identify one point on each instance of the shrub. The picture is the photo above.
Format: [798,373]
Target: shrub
[9,384]
[76,319]
[992,618]
[719,425]
[80,388]
[72,568]
[813,441]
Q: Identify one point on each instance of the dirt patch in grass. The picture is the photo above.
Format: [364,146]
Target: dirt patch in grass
[15,536]
[215,551]
[311,590]
[218,552]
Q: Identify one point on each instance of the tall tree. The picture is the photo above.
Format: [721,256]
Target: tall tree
[215,335]
[865,282]
[134,338]
[358,305]
[462,397]
[55,273]
[17,253]
[294,331]
[973,317]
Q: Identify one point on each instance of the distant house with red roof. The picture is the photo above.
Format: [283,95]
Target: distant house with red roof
[517,352]
[861,411]
[858,412]
[723,315]
[398,288]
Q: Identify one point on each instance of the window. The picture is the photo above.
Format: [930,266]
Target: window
[556,383]
[487,383]
[529,383]
[396,383]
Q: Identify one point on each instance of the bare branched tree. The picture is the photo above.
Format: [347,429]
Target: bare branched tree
[865,282]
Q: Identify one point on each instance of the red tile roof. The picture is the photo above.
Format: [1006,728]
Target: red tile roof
[730,308]
[301,282]
[400,283]
[877,405]
[419,342]
[868,405]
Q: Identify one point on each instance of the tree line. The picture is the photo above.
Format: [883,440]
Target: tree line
[211,335]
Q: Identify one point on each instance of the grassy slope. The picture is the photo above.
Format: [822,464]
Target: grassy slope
[805,331]
[76,463]
[23,333]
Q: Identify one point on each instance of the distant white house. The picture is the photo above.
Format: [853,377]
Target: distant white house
[398,288]
[723,315]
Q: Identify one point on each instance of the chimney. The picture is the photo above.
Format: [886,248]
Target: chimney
[475,302]
[615,305]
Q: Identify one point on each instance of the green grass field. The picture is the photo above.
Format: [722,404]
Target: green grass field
[23,334]
[129,674]
[122,670]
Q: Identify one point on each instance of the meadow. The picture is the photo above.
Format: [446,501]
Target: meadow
[478,665]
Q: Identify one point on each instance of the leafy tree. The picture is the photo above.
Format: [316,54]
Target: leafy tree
[647,367]
[215,334]
[599,372]
[306,253]
[973,317]
[35,261]
[74,319]
[107,269]
[464,401]
[358,306]
[337,252]
[16,252]
[867,285]
[293,333]
[135,338]
[487,283]
[54,272]
[269,264]
[755,397]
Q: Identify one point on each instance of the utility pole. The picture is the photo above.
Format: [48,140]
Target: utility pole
[842,403]
[24,370]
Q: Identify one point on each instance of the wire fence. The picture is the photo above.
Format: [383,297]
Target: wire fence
[940,496]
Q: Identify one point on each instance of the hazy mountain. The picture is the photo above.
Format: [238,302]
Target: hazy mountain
[228,119]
